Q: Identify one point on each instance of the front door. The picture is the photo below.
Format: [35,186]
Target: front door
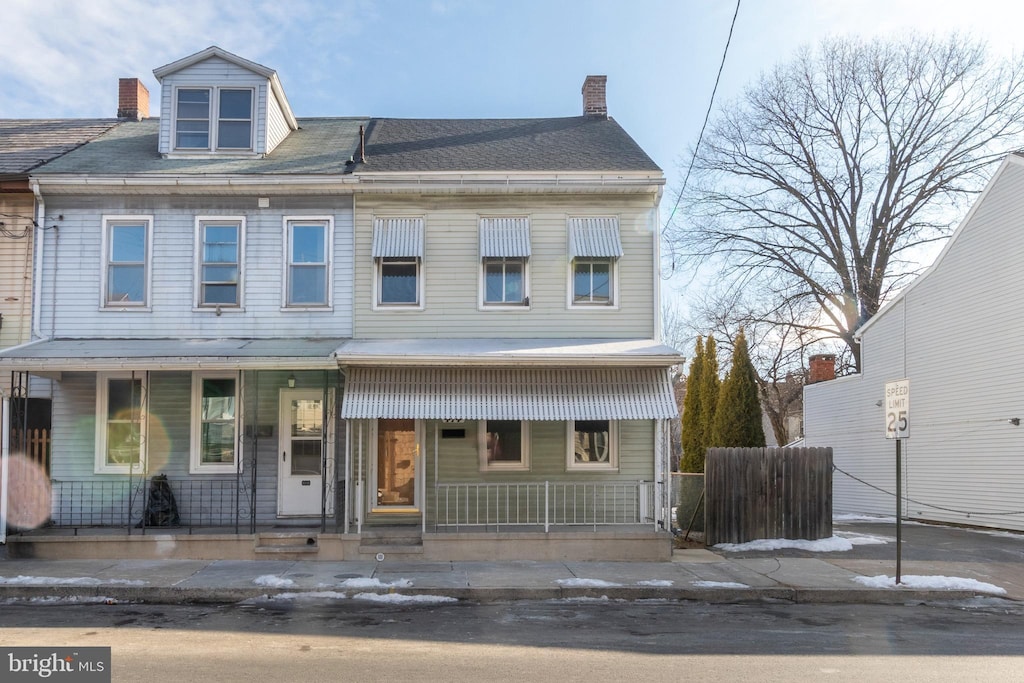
[301,462]
[397,456]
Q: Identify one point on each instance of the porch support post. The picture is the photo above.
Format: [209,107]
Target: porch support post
[547,499]
[662,499]
[359,483]
[5,452]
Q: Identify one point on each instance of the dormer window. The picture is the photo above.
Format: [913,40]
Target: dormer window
[227,125]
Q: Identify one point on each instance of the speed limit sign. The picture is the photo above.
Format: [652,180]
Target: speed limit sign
[897,409]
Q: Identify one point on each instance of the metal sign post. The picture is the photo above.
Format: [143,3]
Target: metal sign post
[897,426]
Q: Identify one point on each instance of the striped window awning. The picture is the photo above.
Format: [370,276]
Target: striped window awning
[509,394]
[504,237]
[594,237]
[398,237]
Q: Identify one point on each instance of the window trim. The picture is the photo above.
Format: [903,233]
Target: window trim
[197,283]
[108,222]
[101,466]
[286,223]
[213,146]
[378,275]
[523,465]
[484,305]
[196,465]
[613,449]
[613,283]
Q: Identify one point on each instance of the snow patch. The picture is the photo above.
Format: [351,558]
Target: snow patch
[655,582]
[586,583]
[375,583]
[63,600]
[65,581]
[930,583]
[399,599]
[719,584]
[308,595]
[271,581]
[833,544]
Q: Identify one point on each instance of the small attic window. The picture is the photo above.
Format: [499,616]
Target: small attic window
[231,117]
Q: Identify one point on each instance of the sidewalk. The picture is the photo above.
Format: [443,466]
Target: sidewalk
[790,575]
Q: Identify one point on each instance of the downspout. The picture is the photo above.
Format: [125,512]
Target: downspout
[656,217]
[37,275]
[5,452]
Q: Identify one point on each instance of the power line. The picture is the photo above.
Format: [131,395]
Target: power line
[707,116]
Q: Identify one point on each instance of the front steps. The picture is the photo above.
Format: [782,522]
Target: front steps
[405,541]
[287,543]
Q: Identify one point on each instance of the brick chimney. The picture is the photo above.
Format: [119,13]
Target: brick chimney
[594,103]
[823,368]
[132,99]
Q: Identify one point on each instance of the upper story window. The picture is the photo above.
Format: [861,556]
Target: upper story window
[398,263]
[504,257]
[120,423]
[213,119]
[308,243]
[214,423]
[594,250]
[126,249]
[219,261]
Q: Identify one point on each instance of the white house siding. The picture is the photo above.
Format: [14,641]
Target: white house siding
[277,126]
[213,72]
[15,274]
[452,269]
[955,335]
[74,285]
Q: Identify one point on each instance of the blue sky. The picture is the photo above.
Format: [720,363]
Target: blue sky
[457,58]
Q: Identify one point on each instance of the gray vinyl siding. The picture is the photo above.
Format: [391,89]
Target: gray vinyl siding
[15,275]
[451,270]
[209,73]
[73,286]
[962,453]
[202,499]
[277,126]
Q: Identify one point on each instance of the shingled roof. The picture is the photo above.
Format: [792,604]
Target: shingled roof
[324,145]
[28,143]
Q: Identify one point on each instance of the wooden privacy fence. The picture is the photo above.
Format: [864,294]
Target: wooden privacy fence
[34,444]
[754,493]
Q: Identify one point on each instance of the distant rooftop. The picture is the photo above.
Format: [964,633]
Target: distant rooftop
[26,144]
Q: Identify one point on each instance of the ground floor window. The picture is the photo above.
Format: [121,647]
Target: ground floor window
[214,423]
[120,423]
[593,445]
[504,445]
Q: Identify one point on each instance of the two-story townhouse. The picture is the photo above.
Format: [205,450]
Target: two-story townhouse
[355,322]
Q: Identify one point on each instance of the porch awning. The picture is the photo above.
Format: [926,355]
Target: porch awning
[91,355]
[504,237]
[508,394]
[594,238]
[398,238]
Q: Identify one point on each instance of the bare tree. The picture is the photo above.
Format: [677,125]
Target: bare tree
[830,171]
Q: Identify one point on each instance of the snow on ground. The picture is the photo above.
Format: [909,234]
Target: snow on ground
[271,581]
[655,582]
[930,583]
[63,600]
[362,582]
[719,584]
[308,595]
[586,583]
[823,545]
[399,599]
[65,581]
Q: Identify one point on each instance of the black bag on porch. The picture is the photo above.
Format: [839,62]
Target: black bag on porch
[161,508]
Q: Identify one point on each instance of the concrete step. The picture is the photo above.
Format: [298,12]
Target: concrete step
[286,542]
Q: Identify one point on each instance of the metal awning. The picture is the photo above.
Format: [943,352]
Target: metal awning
[594,237]
[508,394]
[398,238]
[90,355]
[504,237]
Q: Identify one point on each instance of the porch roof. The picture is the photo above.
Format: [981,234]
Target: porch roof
[506,352]
[509,393]
[67,355]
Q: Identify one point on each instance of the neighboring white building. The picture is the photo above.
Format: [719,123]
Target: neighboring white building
[955,333]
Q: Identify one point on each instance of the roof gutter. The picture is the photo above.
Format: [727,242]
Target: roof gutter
[176,363]
[390,360]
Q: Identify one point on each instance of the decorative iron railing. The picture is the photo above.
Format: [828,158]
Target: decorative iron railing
[546,504]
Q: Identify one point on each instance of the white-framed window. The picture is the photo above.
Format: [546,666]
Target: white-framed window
[220,254]
[504,262]
[397,253]
[213,118]
[214,423]
[120,422]
[593,281]
[127,254]
[308,252]
[593,445]
[594,251]
[504,445]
